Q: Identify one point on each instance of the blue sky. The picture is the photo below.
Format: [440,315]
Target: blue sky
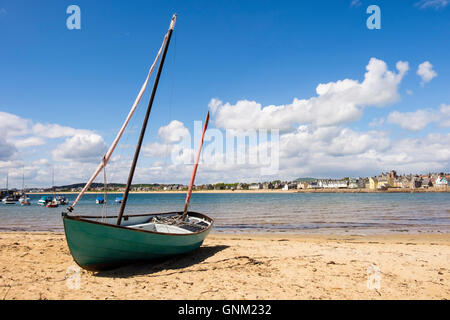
[269,52]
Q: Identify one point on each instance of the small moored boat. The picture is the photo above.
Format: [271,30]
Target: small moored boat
[62,200]
[9,200]
[24,200]
[44,200]
[52,204]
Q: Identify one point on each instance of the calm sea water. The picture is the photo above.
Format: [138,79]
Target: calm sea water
[338,213]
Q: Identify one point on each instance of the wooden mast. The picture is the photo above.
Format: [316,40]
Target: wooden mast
[53,184]
[7,174]
[23,179]
[144,124]
[194,171]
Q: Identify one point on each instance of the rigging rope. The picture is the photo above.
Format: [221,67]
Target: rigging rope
[105,197]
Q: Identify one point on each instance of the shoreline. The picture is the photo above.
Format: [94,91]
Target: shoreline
[292,235]
[238,266]
[392,190]
[288,234]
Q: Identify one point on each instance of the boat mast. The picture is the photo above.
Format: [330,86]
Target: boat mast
[23,179]
[53,183]
[194,171]
[144,124]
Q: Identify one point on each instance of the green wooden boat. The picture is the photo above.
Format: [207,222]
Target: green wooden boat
[96,243]
[103,242]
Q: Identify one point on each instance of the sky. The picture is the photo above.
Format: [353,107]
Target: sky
[336,98]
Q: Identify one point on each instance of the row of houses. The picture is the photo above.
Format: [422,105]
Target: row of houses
[312,184]
[392,180]
[381,182]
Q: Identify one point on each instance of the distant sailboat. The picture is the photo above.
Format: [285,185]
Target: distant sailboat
[24,199]
[62,200]
[100,200]
[8,199]
[54,202]
[44,200]
[103,242]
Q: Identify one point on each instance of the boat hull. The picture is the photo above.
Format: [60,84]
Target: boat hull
[97,246]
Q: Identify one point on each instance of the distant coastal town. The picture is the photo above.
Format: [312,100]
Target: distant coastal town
[386,181]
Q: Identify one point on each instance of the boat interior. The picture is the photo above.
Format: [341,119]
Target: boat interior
[162,222]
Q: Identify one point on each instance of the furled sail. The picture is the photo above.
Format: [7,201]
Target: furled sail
[108,154]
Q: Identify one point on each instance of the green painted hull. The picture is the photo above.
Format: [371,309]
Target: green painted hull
[98,246]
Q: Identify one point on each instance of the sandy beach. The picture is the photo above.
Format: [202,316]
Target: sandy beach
[399,266]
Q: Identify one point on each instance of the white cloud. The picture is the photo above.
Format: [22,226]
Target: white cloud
[19,133]
[12,125]
[41,162]
[332,141]
[367,157]
[214,104]
[377,122]
[436,4]
[7,150]
[337,102]
[81,148]
[175,147]
[355,3]
[444,118]
[157,149]
[426,72]
[173,132]
[423,154]
[334,152]
[54,131]
[420,119]
[29,142]
[413,121]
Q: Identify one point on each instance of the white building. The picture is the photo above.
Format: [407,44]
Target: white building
[255,186]
[313,185]
[332,184]
[441,182]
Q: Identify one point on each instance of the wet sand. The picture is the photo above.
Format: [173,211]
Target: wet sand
[399,266]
